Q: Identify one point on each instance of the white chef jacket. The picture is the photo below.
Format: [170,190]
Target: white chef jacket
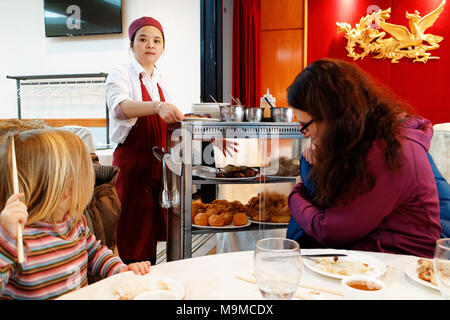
[123,83]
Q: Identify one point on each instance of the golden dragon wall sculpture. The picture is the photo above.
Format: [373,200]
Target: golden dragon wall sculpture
[413,43]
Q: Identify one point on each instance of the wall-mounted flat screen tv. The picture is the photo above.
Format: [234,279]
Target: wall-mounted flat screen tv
[82,17]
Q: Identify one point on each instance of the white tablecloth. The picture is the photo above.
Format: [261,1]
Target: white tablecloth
[213,277]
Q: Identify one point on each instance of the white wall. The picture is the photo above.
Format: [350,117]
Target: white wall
[25,50]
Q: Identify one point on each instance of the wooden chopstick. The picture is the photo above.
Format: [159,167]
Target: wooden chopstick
[316,288]
[252,280]
[19,237]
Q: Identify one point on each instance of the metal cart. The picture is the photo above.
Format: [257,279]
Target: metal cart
[178,179]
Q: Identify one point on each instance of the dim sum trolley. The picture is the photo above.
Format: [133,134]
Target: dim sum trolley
[185,153]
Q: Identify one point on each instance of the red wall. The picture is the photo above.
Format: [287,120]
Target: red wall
[425,86]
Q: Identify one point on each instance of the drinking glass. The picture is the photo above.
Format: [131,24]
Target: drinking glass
[441,265]
[278,266]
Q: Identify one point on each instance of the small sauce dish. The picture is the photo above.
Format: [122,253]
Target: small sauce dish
[362,288]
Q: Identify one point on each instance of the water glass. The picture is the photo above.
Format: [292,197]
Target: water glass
[441,265]
[278,266]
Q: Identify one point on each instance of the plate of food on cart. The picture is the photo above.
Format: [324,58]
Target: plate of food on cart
[199,117]
[228,173]
[219,214]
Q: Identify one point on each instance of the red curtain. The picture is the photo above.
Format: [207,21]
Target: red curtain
[246,76]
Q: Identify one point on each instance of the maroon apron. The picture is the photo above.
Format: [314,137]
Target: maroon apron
[142,221]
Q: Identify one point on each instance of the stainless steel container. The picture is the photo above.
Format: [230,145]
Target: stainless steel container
[282,114]
[254,114]
[232,113]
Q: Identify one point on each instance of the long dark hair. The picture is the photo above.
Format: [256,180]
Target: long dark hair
[355,110]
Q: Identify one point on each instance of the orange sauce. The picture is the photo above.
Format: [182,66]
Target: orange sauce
[363,286]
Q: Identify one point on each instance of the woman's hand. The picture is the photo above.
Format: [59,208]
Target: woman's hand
[309,152]
[138,267]
[225,145]
[170,113]
[13,213]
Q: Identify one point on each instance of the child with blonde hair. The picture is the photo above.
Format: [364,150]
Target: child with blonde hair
[56,182]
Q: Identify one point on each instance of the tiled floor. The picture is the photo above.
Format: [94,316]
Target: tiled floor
[202,245]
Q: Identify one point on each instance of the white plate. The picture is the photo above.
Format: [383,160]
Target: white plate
[270,223]
[194,119]
[130,281]
[412,274]
[235,179]
[212,176]
[228,226]
[210,104]
[379,268]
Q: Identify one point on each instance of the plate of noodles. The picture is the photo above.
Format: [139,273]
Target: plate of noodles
[131,286]
[352,264]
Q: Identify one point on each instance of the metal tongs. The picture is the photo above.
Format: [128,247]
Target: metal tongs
[167,199]
[237,101]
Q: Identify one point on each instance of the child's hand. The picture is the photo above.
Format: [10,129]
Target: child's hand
[138,267]
[13,213]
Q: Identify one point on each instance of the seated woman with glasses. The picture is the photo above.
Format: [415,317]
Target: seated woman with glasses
[370,186]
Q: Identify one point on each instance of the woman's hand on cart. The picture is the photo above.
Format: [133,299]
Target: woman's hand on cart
[226,146]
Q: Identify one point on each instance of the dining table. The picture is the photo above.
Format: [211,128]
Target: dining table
[230,276]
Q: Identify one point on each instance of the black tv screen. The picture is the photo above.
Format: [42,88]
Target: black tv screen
[82,17]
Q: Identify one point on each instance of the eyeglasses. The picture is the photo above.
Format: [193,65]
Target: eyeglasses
[305,126]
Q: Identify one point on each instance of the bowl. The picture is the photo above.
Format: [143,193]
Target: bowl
[362,288]
[231,113]
[254,114]
[282,114]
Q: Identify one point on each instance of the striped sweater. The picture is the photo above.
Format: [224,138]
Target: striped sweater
[57,259]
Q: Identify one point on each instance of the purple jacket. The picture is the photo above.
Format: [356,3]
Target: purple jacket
[399,215]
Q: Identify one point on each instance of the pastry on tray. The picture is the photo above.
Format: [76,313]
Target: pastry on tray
[269,207]
[219,213]
[232,171]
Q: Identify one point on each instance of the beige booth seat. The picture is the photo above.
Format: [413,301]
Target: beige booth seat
[440,148]
[84,133]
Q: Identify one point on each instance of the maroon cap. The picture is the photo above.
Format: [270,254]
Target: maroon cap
[142,22]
